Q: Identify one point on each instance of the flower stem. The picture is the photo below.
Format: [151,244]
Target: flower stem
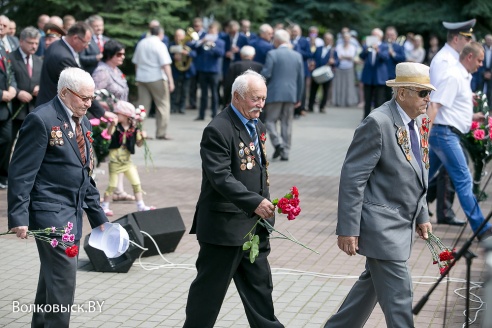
[268,226]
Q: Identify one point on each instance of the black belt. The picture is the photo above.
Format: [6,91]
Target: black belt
[452,128]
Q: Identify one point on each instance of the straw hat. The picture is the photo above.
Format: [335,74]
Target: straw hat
[411,75]
[124,108]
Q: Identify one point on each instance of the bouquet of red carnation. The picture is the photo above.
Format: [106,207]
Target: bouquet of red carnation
[441,255]
[289,204]
[56,237]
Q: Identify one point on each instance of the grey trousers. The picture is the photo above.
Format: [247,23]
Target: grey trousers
[386,282]
[158,92]
[283,112]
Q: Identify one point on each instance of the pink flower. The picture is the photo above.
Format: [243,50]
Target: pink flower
[290,216]
[71,238]
[68,230]
[95,121]
[66,237]
[295,191]
[479,134]
[70,225]
[54,243]
[53,229]
[475,125]
[105,120]
[105,134]
[296,211]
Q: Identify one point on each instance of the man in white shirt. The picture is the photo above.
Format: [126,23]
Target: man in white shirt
[452,117]
[155,80]
[440,187]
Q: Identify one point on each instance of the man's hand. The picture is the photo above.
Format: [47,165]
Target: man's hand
[348,244]
[21,231]
[487,75]
[24,96]
[478,117]
[266,209]
[423,229]
[35,91]
[171,86]
[8,95]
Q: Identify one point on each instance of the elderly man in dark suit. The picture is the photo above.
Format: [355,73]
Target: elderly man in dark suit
[60,55]
[284,72]
[377,220]
[235,191]
[238,68]
[263,43]
[8,89]
[90,56]
[375,71]
[27,70]
[50,184]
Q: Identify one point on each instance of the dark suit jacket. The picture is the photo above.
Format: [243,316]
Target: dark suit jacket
[242,41]
[208,60]
[321,61]
[56,58]
[49,185]
[5,76]
[235,70]
[304,48]
[24,82]
[393,61]
[88,59]
[262,47]
[376,74]
[229,196]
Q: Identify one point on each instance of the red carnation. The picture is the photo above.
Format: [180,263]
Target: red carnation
[475,125]
[294,202]
[479,134]
[72,251]
[294,191]
[442,270]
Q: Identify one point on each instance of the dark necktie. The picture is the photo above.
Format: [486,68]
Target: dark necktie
[80,138]
[28,66]
[254,136]
[415,143]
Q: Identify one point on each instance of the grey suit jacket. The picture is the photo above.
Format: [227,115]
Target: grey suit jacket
[284,72]
[381,194]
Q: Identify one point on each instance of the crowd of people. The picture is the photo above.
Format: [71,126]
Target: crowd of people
[271,78]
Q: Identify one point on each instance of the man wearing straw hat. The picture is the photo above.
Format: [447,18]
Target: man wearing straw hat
[377,220]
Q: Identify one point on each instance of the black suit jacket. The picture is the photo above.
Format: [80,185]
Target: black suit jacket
[236,69]
[7,79]
[48,184]
[24,82]
[56,58]
[229,195]
[88,59]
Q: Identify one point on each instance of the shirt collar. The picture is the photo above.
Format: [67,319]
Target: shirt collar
[463,71]
[23,54]
[243,119]
[74,53]
[69,112]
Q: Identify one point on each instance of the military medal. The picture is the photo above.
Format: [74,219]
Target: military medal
[59,134]
[241,152]
[65,125]
[252,146]
[243,167]
[246,151]
[249,166]
[241,145]
[70,134]
[56,136]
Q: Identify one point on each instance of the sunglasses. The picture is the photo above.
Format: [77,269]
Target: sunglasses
[120,54]
[421,93]
[84,99]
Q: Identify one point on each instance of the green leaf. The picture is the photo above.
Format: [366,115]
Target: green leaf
[246,246]
[253,253]
[275,201]
[256,240]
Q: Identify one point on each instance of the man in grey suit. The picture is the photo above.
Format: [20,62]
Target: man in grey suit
[381,201]
[50,184]
[284,72]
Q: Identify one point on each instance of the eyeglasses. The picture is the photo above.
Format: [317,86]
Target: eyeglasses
[120,54]
[86,43]
[421,93]
[84,99]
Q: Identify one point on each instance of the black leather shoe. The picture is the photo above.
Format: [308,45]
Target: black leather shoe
[453,221]
[284,159]
[278,150]
[199,119]
[485,235]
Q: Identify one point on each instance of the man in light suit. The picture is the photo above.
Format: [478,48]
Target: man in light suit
[284,72]
[65,53]
[235,191]
[50,184]
[90,56]
[377,220]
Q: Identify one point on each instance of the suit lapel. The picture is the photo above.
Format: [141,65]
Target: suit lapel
[403,140]
[66,127]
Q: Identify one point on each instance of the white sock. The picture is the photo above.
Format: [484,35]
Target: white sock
[140,204]
[105,205]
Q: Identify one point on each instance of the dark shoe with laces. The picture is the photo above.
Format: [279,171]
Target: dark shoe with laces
[278,151]
[453,221]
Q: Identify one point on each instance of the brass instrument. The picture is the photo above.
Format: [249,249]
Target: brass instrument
[184,64]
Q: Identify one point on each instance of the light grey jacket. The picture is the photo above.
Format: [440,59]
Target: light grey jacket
[382,194]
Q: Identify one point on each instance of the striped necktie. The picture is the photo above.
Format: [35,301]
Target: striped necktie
[415,143]
[254,136]
[80,138]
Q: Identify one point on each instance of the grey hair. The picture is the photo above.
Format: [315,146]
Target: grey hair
[30,33]
[282,36]
[74,78]
[241,84]
[94,18]
[264,28]
[247,51]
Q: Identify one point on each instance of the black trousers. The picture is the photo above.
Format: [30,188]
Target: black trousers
[373,93]
[209,81]
[216,267]
[181,90]
[5,147]
[312,95]
[56,285]
[441,189]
